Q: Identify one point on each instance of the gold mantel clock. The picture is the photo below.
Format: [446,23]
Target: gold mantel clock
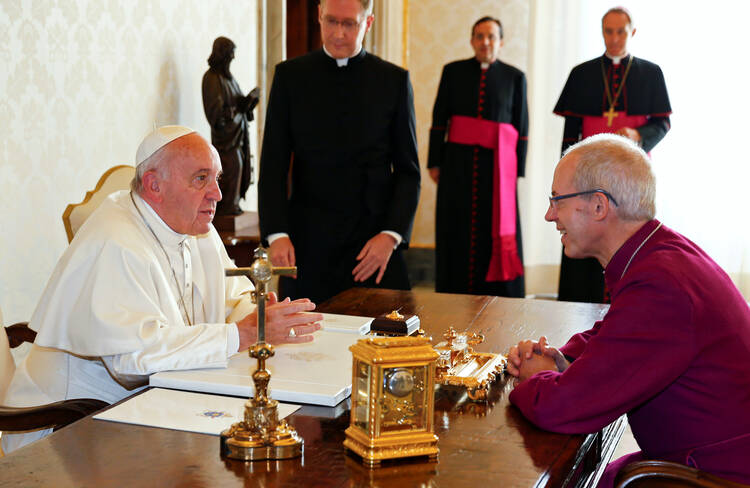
[393,392]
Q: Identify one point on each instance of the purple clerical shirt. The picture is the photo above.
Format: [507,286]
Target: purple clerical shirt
[673,352]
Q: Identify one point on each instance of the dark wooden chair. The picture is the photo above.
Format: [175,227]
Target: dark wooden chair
[53,415]
[664,474]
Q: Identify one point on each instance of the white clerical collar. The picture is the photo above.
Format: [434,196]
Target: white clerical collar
[341,61]
[164,233]
[616,59]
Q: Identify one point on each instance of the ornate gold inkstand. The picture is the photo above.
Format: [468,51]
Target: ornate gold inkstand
[459,365]
[261,435]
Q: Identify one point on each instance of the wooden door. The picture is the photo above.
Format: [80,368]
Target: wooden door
[302,28]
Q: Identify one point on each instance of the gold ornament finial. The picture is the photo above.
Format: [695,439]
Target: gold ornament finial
[394,315]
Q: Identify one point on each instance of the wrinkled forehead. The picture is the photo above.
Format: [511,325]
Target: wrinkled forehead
[193,153]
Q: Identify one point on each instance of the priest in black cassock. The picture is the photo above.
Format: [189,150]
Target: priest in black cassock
[617,93]
[342,122]
[478,145]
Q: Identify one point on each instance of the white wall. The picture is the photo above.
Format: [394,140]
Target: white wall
[82,81]
[440,32]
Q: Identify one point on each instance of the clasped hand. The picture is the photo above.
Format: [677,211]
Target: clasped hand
[282,318]
[530,357]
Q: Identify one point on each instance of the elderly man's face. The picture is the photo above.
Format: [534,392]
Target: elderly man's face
[191,192]
[486,41]
[571,215]
[343,25]
[617,32]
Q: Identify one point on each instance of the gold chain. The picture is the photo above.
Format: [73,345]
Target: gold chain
[169,262]
[613,101]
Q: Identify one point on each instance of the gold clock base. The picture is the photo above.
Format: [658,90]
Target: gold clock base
[261,436]
[409,444]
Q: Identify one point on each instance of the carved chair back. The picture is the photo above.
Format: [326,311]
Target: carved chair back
[114,179]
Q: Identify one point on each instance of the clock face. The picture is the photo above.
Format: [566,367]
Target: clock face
[399,382]
[402,404]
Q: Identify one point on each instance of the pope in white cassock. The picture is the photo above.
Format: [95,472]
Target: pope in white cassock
[141,288]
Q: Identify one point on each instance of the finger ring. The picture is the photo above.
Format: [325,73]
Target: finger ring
[292,333]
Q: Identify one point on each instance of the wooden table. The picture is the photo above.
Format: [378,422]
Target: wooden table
[488,444]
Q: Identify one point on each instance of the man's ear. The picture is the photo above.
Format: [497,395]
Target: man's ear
[600,206]
[151,186]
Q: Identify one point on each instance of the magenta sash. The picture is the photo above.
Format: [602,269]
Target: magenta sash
[501,137]
[598,125]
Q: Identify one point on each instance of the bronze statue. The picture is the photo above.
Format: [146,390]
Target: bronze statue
[229,113]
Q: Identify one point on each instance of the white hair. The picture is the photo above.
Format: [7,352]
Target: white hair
[620,167]
[157,162]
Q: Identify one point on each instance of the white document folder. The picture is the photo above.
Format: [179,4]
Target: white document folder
[182,410]
[318,372]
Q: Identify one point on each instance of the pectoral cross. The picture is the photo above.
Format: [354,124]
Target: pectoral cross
[610,114]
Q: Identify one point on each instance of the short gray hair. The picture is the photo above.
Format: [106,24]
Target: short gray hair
[616,164]
[158,162]
[366,5]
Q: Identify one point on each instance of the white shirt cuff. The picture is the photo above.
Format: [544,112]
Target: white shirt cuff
[395,235]
[233,339]
[273,237]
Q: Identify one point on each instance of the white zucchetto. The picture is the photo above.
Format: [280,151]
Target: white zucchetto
[159,138]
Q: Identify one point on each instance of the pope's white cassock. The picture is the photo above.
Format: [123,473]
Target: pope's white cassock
[118,307]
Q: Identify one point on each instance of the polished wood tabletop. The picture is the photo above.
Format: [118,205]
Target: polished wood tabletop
[481,444]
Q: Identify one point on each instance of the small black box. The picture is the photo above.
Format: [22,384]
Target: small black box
[395,324]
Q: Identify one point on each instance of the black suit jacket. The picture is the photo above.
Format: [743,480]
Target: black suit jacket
[351,135]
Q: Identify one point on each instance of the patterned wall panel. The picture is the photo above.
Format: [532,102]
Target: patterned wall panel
[440,32]
[82,81]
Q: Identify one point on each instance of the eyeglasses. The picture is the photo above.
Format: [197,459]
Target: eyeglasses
[553,200]
[348,25]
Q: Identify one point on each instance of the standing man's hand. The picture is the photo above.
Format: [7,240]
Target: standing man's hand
[435,174]
[630,133]
[373,257]
[281,252]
